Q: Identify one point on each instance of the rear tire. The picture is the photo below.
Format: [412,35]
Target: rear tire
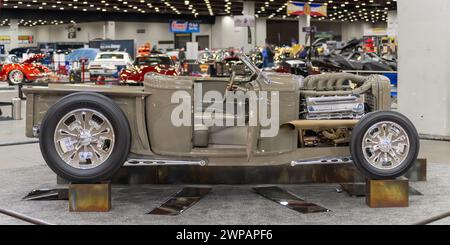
[71,123]
[384,145]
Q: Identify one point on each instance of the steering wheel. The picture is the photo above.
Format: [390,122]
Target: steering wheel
[230,86]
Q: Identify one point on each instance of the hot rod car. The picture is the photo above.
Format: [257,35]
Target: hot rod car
[108,64]
[142,65]
[26,72]
[88,132]
[351,57]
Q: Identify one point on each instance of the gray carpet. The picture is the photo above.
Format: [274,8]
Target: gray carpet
[226,205]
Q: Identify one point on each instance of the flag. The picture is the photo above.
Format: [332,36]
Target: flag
[313,9]
[318,10]
[297,8]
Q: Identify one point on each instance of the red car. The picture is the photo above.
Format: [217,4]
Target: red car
[26,72]
[135,75]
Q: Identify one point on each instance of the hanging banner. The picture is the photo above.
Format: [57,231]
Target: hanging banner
[244,21]
[5,39]
[181,26]
[25,39]
[312,9]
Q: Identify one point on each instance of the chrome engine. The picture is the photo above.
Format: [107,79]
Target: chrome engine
[339,96]
[331,108]
[335,107]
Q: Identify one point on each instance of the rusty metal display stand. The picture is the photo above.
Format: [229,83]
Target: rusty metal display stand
[274,175]
[387,193]
[360,190]
[379,194]
[382,193]
[90,197]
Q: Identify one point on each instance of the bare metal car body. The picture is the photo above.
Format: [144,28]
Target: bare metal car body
[154,139]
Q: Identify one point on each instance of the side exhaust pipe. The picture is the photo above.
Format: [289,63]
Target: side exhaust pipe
[155,162]
[331,160]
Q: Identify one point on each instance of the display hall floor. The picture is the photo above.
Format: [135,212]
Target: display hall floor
[22,169]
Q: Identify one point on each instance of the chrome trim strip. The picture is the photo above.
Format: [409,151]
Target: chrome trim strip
[159,162]
[331,160]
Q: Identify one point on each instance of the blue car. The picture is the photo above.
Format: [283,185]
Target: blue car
[82,53]
[75,56]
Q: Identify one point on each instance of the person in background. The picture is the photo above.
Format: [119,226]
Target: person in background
[182,60]
[389,55]
[231,52]
[182,55]
[296,48]
[268,54]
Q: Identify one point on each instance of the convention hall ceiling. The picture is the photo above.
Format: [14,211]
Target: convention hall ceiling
[338,10]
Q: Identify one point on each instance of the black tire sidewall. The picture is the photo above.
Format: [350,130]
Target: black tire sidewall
[119,123]
[357,138]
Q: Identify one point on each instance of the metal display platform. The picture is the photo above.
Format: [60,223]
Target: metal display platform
[378,193]
[274,175]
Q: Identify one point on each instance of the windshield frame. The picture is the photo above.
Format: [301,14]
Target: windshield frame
[258,74]
[246,60]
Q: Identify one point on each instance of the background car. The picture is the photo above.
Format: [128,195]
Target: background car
[8,59]
[19,52]
[4,60]
[82,53]
[107,64]
[161,64]
[28,71]
[75,66]
[353,57]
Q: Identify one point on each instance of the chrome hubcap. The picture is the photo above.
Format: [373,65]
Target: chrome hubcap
[16,76]
[84,139]
[386,145]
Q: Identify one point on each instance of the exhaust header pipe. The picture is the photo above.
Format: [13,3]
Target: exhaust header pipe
[322,124]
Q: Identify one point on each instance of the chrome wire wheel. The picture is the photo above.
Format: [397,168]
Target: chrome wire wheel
[84,139]
[386,145]
[15,77]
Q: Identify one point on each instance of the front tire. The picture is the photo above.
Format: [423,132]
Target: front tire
[16,77]
[85,137]
[384,145]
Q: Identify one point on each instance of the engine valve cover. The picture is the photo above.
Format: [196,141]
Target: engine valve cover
[335,107]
